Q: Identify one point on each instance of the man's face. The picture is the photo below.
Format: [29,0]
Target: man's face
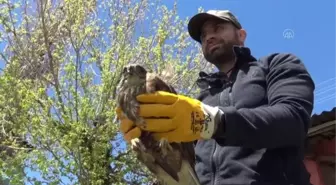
[218,39]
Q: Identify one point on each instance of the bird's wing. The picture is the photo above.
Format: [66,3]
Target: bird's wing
[177,168]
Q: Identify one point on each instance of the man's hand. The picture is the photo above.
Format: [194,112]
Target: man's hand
[127,127]
[176,117]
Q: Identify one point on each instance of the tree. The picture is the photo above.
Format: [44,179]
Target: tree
[62,62]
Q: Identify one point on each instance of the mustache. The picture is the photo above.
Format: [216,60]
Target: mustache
[221,42]
[219,45]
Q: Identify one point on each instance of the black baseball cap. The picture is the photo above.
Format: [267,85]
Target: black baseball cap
[196,22]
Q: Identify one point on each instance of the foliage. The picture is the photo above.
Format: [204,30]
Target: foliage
[62,61]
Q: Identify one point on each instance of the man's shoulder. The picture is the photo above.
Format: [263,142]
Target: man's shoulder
[275,59]
[285,65]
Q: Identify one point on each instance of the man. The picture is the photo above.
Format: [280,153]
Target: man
[251,118]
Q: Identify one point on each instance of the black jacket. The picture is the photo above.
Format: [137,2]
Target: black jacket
[266,105]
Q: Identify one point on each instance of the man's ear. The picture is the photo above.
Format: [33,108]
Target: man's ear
[242,36]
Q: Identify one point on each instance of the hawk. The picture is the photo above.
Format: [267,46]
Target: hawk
[171,163]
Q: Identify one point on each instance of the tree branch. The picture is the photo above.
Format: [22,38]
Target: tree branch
[47,44]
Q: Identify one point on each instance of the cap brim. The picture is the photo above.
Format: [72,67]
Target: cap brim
[195,24]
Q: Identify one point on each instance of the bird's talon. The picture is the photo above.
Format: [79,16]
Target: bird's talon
[136,144]
[164,146]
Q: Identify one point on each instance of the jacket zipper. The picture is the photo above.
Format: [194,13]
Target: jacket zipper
[213,157]
[229,85]
[230,93]
[214,169]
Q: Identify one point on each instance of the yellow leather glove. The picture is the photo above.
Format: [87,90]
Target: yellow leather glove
[127,127]
[176,117]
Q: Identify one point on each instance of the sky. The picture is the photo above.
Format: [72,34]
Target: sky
[311,24]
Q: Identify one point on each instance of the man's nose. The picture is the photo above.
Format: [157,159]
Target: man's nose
[209,38]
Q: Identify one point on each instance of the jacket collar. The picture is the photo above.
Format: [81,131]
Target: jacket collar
[217,79]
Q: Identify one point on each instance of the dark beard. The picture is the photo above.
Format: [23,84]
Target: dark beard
[223,54]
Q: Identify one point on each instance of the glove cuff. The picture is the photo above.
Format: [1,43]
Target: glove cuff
[210,123]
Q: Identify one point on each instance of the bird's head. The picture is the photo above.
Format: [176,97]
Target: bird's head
[134,74]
